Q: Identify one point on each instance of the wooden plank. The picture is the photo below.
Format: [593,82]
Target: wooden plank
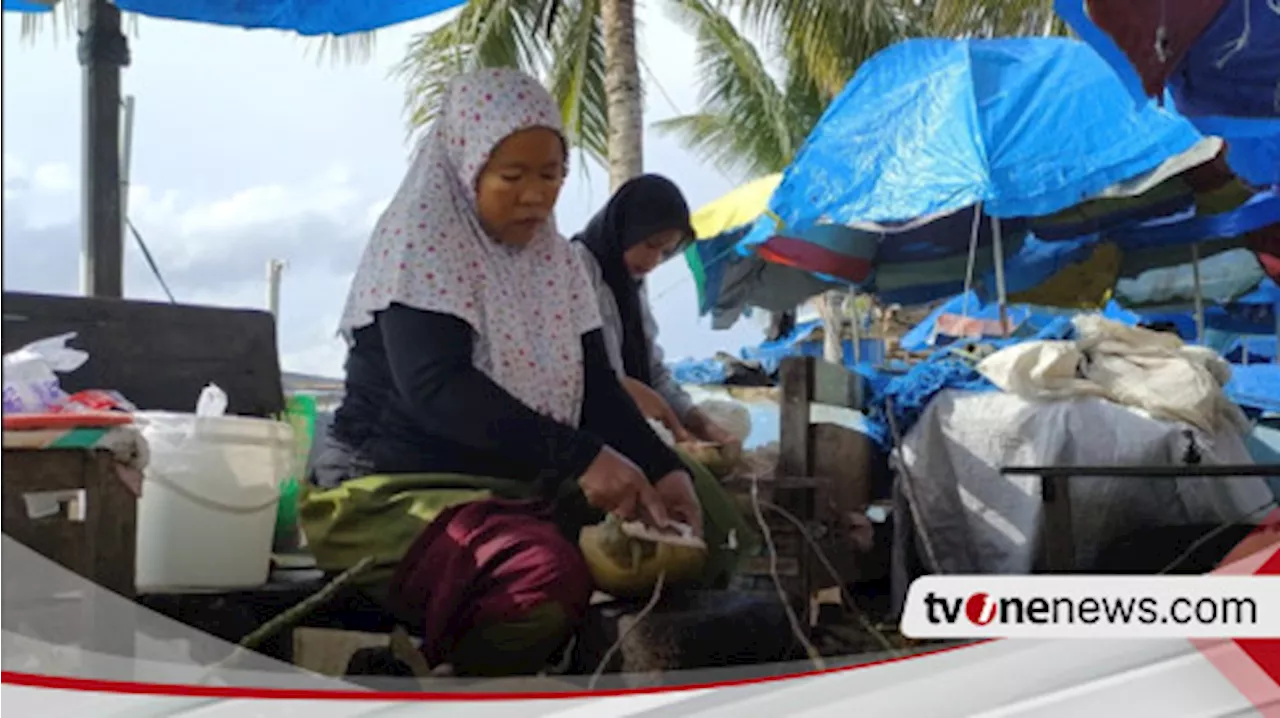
[111,515]
[327,652]
[1058,539]
[158,355]
[38,471]
[1148,472]
[796,378]
[842,457]
[101,548]
[835,385]
[759,566]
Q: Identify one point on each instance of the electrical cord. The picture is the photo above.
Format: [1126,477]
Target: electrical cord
[617,645]
[1209,536]
[835,576]
[151,262]
[909,487]
[767,535]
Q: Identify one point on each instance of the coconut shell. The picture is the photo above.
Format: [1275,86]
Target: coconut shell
[626,567]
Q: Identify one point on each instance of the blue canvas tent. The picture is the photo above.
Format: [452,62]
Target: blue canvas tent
[928,127]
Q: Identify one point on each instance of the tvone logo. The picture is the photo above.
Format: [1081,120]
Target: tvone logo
[980,609]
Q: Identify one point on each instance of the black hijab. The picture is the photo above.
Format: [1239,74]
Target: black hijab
[642,207]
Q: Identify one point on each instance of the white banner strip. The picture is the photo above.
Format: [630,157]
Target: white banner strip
[1093,607]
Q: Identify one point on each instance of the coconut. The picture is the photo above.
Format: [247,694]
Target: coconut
[717,459]
[625,565]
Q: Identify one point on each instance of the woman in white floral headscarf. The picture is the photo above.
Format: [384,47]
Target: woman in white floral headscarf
[481,409]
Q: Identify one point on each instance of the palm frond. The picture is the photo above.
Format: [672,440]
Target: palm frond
[825,39]
[990,18]
[64,21]
[343,49]
[746,123]
[576,78]
[558,40]
[486,33]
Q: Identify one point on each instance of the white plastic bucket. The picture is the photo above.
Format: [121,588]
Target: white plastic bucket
[207,515]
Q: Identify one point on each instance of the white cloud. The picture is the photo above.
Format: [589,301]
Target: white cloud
[328,197]
[53,178]
[242,166]
[375,211]
[14,168]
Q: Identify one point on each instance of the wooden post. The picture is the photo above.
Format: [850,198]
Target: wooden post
[1058,543]
[103,51]
[795,442]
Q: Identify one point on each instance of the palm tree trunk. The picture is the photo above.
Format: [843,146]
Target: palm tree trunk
[622,87]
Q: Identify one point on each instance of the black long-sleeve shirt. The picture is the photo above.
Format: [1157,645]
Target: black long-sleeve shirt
[415,403]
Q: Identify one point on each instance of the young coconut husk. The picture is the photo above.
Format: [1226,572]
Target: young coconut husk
[717,459]
[626,566]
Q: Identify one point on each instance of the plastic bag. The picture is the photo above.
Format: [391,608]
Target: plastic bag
[731,416]
[31,382]
[95,400]
[212,402]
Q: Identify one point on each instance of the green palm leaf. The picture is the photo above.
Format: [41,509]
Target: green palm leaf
[746,124]
[560,41]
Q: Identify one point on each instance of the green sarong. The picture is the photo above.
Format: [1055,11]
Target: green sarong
[381,516]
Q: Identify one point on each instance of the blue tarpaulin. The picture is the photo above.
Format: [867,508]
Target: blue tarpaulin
[1027,126]
[26,6]
[800,342]
[314,17]
[1027,320]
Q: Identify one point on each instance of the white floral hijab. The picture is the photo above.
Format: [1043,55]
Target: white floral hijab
[529,307]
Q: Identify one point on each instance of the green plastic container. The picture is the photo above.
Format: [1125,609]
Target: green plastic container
[300,412]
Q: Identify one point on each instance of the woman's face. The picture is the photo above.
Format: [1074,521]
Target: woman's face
[645,256]
[516,191]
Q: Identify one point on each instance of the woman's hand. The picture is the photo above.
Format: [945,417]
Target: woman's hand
[612,483]
[653,406]
[681,502]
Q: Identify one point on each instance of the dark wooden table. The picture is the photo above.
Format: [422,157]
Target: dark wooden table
[1058,538]
[96,542]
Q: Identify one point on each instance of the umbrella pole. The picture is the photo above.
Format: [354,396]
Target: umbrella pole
[997,248]
[126,163]
[102,50]
[1199,293]
[855,323]
[973,256]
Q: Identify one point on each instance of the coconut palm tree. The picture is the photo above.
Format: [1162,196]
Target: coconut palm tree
[562,41]
[750,124]
[987,18]
[585,50]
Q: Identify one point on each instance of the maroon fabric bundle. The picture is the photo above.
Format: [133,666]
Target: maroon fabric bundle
[1134,25]
[487,562]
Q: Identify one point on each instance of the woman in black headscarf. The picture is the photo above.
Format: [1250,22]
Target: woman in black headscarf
[645,222]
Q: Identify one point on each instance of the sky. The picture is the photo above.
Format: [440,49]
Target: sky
[248,146]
